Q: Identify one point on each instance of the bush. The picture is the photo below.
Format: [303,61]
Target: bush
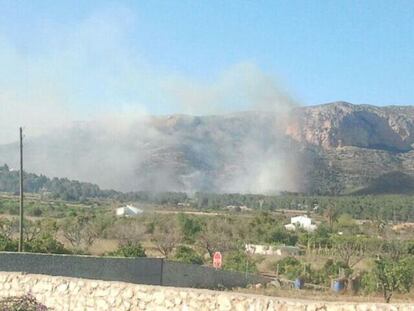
[23,303]
[37,212]
[239,261]
[189,227]
[287,262]
[281,236]
[303,271]
[333,268]
[7,244]
[129,249]
[369,283]
[410,247]
[330,270]
[45,244]
[188,255]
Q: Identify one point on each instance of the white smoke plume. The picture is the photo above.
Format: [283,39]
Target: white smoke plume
[84,101]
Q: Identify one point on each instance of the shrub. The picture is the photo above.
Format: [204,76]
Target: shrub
[239,261]
[280,236]
[7,244]
[286,263]
[22,303]
[45,244]
[369,283]
[37,212]
[305,272]
[389,276]
[188,255]
[410,247]
[333,268]
[129,249]
[189,227]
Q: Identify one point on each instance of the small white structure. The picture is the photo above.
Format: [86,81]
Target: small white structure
[260,249]
[270,250]
[288,251]
[290,227]
[128,211]
[303,222]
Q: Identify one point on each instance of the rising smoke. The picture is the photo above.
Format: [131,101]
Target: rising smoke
[83,104]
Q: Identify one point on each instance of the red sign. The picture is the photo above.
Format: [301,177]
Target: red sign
[217,259]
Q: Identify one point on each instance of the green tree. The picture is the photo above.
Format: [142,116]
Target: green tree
[284,264]
[189,227]
[239,261]
[394,276]
[320,237]
[279,235]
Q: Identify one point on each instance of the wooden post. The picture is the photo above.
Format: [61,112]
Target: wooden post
[21,248]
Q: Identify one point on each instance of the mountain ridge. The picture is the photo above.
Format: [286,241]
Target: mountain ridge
[331,148]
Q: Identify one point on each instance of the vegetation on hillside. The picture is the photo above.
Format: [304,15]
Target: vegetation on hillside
[365,206]
[360,239]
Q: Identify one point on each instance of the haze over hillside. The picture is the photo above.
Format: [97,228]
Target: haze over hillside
[331,148]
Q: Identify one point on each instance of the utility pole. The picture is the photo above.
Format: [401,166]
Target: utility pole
[21,193]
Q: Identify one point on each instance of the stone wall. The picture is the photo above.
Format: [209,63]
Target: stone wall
[62,293]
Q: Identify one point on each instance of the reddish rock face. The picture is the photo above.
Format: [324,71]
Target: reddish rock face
[343,124]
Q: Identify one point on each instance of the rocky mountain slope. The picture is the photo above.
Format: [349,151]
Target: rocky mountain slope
[326,149]
[358,144]
[343,124]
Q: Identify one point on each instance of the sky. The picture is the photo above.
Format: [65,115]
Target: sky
[79,59]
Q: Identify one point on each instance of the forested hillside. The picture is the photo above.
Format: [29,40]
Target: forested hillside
[362,206]
[58,187]
[73,190]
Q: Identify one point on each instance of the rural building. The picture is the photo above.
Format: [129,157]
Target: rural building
[303,222]
[288,251]
[270,250]
[260,249]
[128,211]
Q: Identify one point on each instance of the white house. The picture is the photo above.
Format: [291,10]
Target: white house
[128,211]
[304,222]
